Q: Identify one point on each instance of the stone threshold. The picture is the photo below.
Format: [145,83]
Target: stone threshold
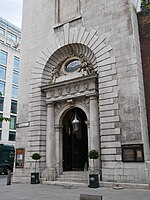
[113,185]
[117,185]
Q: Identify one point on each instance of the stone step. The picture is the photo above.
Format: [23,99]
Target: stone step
[72,176]
[70,179]
[65,184]
[74,172]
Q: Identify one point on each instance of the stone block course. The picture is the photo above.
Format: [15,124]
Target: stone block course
[115,131]
[108,138]
[107,126]
[107,113]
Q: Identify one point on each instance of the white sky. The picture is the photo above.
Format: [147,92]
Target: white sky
[11,10]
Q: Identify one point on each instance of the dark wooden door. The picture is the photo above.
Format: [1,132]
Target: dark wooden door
[74,144]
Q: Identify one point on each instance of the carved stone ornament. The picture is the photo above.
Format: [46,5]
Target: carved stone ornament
[68,89]
[55,74]
[72,63]
[86,67]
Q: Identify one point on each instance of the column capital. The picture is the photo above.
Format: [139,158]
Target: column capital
[87,123]
[50,104]
[58,127]
[93,97]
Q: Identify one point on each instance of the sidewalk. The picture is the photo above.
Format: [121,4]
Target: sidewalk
[48,192]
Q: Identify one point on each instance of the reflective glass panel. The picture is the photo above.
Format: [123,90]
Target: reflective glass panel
[1,103]
[15,78]
[1,115]
[2,87]
[12,124]
[14,92]
[13,106]
[11,36]
[2,73]
[16,63]
[12,136]
[72,66]
[0,134]
[3,58]
[2,31]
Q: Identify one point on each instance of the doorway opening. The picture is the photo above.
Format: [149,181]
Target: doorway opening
[75,142]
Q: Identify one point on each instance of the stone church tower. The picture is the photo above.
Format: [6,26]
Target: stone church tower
[81,62]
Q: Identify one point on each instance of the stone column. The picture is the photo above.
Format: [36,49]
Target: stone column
[94,131]
[59,150]
[50,142]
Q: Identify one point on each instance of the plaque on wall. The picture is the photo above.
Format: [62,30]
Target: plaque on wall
[132,153]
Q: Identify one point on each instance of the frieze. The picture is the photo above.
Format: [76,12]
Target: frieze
[82,86]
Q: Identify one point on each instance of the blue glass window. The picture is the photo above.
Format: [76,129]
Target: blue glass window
[16,63]
[1,103]
[13,106]
[3,57]
[2,73]
[2,87]
[11,36]
[12,124]
[14,92]
[2,31]
[12,135]
[72,66]
[15,78]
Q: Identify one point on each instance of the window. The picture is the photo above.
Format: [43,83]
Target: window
[15,78]
[3,57]
[16,63]
[14,92]
[13,106]
[2,73]
[0,134]
[1,115]
[12,124]
[72,66]
[2,31]
[2,87]
[1,103]
[11,36]
[12,135]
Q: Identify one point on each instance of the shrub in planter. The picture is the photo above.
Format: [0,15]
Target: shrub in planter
[36,157]
[35,176]
[93,178]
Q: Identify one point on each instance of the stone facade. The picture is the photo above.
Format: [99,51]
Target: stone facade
[108,86]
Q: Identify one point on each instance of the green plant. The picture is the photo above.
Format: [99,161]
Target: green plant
[93,154]
[145,4]
[36,157]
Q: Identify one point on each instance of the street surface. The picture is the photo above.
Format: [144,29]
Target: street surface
[47,192]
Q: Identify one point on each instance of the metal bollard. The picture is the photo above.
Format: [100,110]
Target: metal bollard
[9,178]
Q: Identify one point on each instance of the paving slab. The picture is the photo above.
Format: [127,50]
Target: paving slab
[52,192]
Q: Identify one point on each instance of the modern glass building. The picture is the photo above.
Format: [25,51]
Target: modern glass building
[9,74]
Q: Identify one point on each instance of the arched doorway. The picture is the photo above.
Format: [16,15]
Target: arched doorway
[75,143]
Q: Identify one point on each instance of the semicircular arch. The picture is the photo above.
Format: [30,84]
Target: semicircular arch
[66,108]
[72,40]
